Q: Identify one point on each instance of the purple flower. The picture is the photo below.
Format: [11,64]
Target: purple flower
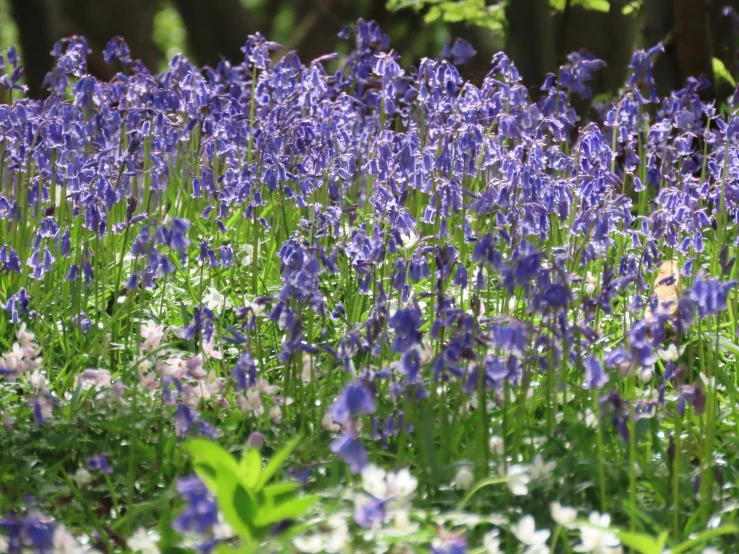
[351,451]
[710,295]
[354,400]
[595,377]
[99,463]
[370,513]
[200,513]
[460,52]
[245,371]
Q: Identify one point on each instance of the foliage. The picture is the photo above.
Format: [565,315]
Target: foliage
[249,503]
[498,328]
[480,12]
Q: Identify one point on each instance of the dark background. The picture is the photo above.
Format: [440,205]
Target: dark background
[537,34]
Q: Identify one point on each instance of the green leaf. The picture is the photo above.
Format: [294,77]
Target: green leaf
[223,548]
[596,5]
[705,537]
[558,5]
[631,7]
[432,15]
[236,504]
[274,464]
[292,509]
[479,485]
[251,467]
[720,71]
[207,454]
[643,543]
[271,492]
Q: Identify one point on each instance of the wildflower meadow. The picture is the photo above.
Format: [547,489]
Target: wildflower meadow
[347,306]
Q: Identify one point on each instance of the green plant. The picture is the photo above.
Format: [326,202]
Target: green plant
[479,12]
[250,504]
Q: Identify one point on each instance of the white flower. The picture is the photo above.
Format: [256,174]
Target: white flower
[401,483]
[66,543]
[252,402]
[144,542]
[337,534]
[373,481]
[37,380]
[563,515]
[310,544]
[595,536]
[332,537]
[308,368]
[670,354]
[328,423]
[464,478]
[518,478]
[402,524]
[497,445]
[210,351]
[589,419]
[591,283]
[409,239]
[152,335]
[264,387]
[275,415]
[491,542]
[645,373]
[214,300]
[539,470]
[82,477]
[247,250]
[25,338]
[525,531]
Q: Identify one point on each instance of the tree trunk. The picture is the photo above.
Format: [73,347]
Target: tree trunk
[657,24]
[219,28]
[32,18]
[530,41]
[692,36]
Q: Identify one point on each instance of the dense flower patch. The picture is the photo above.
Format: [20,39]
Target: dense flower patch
[492,328]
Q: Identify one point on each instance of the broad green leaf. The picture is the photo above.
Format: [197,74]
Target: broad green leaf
[236,505]
[274,464]
[596,5]
[432,15]
[251,467]
[558,5]
[720,71]
[643,543]
[292,509]
[211,455]
[631,7]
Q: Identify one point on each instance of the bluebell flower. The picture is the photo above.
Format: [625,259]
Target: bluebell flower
[355,400]
[351,451]
[99,463]
[710,295]
[245,371]
[595,377]
[460,52]
[200,513]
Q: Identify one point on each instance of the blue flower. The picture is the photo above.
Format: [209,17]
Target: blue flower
[99,463]
[595,377]
[354,400]
[201,512]
[351,451]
